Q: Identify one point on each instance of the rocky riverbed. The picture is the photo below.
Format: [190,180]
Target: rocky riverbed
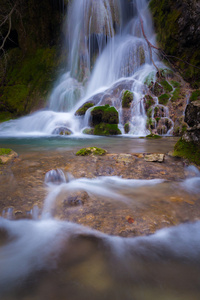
[148,208]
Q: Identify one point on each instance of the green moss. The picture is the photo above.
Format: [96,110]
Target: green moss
[91,151]
[166,73]
[167,87]
[81,111]
[127,128]
[163,99]
[127,98]
[5,116]
[28,80]
[4,151]
[104,114]
[157,89]
[176,94]
[190,151]
[175,84]
[148,102]
[195,96]
[106,129]
[88,131]
[153,136]
[149,112]
[157,119]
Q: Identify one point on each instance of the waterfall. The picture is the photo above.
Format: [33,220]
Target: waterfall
[105,46]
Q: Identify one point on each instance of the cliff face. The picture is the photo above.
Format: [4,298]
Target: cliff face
[177,25]
[30,57]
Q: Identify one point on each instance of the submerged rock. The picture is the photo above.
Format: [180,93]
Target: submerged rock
[62,131]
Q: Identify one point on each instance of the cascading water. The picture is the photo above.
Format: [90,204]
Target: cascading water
[106,48]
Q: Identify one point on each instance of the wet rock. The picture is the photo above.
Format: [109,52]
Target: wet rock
[106,114]
[62,131]
[127,98]
[192,113]
[154,157]
[157,89]
[82,110]
[192,134]
[6,157]
[55,176]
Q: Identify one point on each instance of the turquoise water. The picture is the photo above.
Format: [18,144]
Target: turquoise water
[112,144]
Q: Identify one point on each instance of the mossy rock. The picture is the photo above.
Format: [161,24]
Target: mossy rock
[188,150]
[6,155]
[91,151]
[153,136]
[106,129]
[176,94]
[195,96]
[127,98]
[127,127]
[167,87]
[149,80]
[104,114]
[62,131]
[149,101]
[5,151]
[175,84]
[157,89]
[88,131]
[163,99]
[82,110]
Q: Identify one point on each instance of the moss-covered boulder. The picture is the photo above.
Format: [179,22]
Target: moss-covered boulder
[7,155]
[188,150]
[104,114]
[91,151]
[127,98]
[106,129]
[82,110]
[89,131]
[127,127]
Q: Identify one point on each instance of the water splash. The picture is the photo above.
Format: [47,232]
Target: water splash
[105,45]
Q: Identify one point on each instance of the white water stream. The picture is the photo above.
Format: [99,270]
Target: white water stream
[33,246]
[105,45]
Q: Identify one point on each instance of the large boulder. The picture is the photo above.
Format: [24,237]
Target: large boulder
[192,113]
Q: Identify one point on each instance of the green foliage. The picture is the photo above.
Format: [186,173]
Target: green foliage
[188,150]
[106,129]
[81,111]
[163,99]
[4,151]
[106,114]
[175,94]
[167,87]
[195,96]
[127,98]
[91,151]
